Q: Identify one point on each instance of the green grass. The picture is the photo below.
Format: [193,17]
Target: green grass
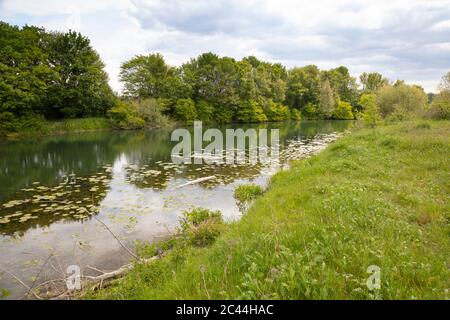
[375,197]
[247,192]
[78,125]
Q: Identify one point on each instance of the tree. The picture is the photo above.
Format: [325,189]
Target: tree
[372,82]
[371,115]
[150,77]
[213,80]
[327,100]
[24,70]
[343,84]
[53,74]
[303,86]
[81,86]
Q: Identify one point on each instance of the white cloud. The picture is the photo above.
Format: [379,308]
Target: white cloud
[405,39]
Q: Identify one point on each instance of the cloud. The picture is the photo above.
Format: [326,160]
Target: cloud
[406,39]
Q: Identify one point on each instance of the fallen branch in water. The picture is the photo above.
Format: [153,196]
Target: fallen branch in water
[195,181]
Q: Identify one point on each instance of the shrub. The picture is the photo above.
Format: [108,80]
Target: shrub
[125,116]
[277,111]
[296,115]
[201,226]
[310,110]
[151,111]
[247,192]
[401,99]
[31,123]
[185,110]
[343,111]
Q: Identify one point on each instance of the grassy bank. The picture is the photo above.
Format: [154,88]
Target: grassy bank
[376,197]
[43,127]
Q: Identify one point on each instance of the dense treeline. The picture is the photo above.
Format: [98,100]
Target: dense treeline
[56,75]
[221,89]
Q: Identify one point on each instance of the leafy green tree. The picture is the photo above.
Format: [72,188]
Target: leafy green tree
[343,84]
[81,87]
[150,77]
[185,110]
[124,115]
[371,115]
[213,80]
[343,111]
[372,82]
[303,86]
[327,100]
[24,70]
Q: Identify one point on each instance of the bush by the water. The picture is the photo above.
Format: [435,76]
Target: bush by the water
[137,114]
[343,111]
[201,226]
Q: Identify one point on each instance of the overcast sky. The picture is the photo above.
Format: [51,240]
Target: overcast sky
[403,39]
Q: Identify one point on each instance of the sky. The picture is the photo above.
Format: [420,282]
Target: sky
[402,39]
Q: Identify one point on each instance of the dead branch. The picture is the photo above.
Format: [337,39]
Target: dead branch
[101,281]
[39,273]
[195,181]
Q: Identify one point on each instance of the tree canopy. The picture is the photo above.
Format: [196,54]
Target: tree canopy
[54,74]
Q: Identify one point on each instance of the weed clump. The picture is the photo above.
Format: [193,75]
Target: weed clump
[200,226]
[247,192]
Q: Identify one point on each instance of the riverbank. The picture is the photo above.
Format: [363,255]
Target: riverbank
[48,128]
[375,197]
